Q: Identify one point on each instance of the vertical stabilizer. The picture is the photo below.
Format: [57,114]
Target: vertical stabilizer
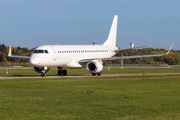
[111,41]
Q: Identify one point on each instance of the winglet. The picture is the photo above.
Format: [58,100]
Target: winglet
[169,50]
[9,51]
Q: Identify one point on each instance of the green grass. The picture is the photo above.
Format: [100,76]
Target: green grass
[114,98]
[84,71]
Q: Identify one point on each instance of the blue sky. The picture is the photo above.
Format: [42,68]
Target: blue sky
[36,22]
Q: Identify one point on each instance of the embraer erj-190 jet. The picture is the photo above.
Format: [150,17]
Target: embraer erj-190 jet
[90,57]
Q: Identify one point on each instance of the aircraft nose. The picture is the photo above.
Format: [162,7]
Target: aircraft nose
[34,61]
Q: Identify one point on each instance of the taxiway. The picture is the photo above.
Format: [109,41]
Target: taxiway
[80,76]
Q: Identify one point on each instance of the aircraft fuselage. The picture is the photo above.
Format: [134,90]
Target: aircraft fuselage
[68,55]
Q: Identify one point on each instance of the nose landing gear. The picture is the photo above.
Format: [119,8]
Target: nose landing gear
[43,74]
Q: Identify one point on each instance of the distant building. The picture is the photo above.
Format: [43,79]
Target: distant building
[131,44]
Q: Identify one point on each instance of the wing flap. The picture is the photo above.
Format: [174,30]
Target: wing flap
[130,57]
[125,57]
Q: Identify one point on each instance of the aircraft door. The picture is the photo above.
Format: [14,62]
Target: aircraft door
[54,52]
[54,55]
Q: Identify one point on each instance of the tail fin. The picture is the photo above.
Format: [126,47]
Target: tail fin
[111,41]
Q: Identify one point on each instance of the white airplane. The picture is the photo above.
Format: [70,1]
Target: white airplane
[90,57]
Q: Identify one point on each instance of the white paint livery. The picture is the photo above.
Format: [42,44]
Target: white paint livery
[90,57]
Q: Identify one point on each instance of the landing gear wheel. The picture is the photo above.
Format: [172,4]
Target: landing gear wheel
[64,72]
[59,72]
[43,74]
[99,74]
[93,74]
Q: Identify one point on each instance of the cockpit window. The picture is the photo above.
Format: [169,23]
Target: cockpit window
[40,51]
[46,51]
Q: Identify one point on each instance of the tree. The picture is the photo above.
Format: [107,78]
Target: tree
[25,50]
[4,49]
[1,55]
[4,59]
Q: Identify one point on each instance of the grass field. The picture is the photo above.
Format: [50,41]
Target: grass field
[115,98]
[84,71]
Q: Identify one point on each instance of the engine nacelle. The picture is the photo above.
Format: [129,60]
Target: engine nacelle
[41,69]
[94,66]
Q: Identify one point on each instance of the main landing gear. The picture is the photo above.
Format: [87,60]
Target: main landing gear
[62,72]
[98,74]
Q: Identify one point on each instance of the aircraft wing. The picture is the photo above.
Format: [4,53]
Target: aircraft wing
[131,48]
[126,57]
[23,57]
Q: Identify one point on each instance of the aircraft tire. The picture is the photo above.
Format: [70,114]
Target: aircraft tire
[43,74]
[64,72]
[99,74]
[59,72]
[93,74]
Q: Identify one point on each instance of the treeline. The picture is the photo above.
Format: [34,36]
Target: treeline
[172,58]
[4,50]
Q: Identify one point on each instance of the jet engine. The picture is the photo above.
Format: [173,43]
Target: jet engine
[41,69]
[94,66]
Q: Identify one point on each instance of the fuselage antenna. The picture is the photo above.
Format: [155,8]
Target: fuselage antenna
[94,43]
